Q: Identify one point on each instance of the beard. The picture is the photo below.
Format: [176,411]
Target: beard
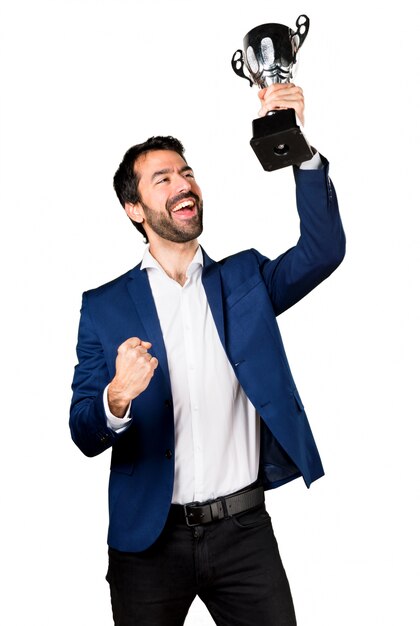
[165,227]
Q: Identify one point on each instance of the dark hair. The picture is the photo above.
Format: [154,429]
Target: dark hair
[126,180]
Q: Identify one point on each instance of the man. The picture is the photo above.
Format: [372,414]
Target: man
[183,372]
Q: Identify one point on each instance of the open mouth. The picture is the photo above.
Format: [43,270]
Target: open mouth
[185,208]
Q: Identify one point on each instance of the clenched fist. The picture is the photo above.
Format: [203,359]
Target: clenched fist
[134,369]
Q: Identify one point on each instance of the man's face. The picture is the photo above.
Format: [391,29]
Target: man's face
[171,205]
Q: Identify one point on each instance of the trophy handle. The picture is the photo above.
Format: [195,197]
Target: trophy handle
[302,28]
[238,66]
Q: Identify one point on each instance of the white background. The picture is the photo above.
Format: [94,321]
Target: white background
[83,80]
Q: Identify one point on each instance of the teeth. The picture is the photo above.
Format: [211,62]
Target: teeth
[183,205]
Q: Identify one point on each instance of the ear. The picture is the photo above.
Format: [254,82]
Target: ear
[134,211]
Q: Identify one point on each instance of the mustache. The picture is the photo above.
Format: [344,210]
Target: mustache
[182,196]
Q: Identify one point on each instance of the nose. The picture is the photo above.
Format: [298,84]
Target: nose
[183,184]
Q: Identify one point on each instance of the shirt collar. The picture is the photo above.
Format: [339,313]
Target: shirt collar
[149,261]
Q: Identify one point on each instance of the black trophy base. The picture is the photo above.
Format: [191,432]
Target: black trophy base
[278,141]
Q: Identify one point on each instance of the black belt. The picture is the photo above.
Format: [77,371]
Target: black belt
[196,513]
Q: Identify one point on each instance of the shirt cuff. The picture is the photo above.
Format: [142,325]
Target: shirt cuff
[312,164]
[117,424]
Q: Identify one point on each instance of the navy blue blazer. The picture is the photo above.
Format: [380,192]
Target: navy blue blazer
[245,292]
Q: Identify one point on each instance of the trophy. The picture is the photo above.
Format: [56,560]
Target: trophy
[269,56]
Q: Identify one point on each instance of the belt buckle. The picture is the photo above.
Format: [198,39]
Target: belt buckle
[203,513]
[189,515]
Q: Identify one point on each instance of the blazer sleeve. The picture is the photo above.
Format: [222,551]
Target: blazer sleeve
[88,424]
[321,245]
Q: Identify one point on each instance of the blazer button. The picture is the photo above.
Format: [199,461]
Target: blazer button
[167,403]
[168,454]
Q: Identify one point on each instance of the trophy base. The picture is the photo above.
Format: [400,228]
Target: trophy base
[278,141]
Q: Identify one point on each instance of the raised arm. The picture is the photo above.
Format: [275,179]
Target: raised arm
[320,248]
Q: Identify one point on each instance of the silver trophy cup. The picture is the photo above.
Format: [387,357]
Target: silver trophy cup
[270,54]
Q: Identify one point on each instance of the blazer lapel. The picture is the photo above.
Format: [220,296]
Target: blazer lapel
[141,294]
[213,287]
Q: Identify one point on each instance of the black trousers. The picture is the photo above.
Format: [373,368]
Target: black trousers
[233,565]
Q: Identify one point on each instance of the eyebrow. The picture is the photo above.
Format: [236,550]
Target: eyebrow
[168,170]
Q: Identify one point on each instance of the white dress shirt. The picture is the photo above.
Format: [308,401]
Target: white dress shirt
[217,430]
[216,427]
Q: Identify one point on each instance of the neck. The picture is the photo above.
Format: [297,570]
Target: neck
[174,258]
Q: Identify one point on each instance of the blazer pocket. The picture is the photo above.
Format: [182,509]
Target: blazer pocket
[243,290]
[122,468]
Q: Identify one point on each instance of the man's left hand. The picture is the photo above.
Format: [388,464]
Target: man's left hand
[282,96]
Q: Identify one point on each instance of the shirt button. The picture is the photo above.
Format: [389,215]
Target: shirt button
[168,454]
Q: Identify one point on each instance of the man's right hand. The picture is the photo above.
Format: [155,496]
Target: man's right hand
[134,369]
